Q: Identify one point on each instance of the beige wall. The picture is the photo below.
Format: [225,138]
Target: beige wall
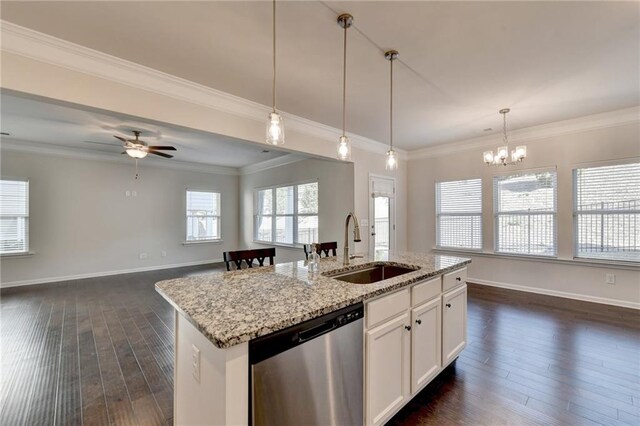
[564,152]
[82,223]
[335,199]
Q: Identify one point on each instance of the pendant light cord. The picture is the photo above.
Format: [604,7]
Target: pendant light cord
[504,128]
[344,83]
[391,107]
[274,57]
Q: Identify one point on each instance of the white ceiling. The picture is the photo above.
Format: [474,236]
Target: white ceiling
[61,125]
[461,61]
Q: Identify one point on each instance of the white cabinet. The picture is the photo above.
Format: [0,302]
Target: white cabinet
[454,323]
[425,343]
[411,336]
[387,368]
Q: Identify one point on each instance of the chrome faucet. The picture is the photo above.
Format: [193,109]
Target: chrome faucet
[356,236]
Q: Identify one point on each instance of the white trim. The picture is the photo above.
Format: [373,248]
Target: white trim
[18,145]
[576,125]
[270,164]
[17,254]
[196,242]
[556,293]
[627,266]
[105,273]
[52,50]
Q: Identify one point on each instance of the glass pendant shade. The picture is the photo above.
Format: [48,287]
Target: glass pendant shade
[392,160]
[136,152]
[344,148]
[488,157]
[502,152]
[519,153]
[275,129]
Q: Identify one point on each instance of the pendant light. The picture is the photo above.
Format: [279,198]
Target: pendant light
[275,123]
[501,156]
[392,159]
[344,145]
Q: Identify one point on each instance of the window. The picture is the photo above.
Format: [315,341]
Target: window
[459,214]
[203,216]
[525,213]
[287,214]
[607,212]
[14,216]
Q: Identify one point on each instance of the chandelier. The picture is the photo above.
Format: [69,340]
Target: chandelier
[501,156]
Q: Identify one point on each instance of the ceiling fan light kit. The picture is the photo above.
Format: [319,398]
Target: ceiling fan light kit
[501,157]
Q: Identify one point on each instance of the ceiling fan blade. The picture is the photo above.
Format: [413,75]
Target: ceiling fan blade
[165,147]
[118,137]
[161,154]
[103,143]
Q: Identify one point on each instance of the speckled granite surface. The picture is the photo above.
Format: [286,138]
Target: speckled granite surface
[233,307]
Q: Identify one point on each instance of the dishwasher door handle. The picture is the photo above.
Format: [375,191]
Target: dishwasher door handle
[316,331]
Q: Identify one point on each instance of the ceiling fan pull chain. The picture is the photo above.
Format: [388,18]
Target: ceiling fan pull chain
[136,169]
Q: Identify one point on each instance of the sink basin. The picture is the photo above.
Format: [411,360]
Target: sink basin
[371,274]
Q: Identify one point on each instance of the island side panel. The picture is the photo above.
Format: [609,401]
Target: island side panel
[219,396]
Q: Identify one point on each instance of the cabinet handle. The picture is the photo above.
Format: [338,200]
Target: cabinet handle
[448,305]
[418,321]
[458,279]
[407,327]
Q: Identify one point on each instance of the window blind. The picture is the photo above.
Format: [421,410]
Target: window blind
[525,210]
[459,214]
[14,216]
[607,212]
[203,215]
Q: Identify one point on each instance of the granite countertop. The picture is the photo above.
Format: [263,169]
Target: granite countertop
[234,307]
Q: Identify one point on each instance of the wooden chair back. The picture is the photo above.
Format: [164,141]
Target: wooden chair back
[248,256]
[326,248]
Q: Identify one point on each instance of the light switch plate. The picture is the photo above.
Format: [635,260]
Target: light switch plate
[195,362]
[610,278]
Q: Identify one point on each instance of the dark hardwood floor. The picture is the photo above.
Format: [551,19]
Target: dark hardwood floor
[100,351]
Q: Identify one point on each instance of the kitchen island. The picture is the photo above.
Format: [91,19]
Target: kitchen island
[218,314]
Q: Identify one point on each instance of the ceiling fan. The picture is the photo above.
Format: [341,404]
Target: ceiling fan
[138,149]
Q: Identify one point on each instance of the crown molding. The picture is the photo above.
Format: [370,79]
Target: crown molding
[270,164]
[530,134]
[19,145]
[54,51]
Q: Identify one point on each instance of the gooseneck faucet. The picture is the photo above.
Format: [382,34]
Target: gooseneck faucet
[356,235]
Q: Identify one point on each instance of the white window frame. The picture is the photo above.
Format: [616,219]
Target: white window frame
[496,215]
[439,215]
[26,218]
[602,212]
[218,216]
[295,215]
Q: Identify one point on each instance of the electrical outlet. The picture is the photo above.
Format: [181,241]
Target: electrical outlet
[143,256]
[127,193]
[610,278]
[195,363]
[163,253]
[134,193]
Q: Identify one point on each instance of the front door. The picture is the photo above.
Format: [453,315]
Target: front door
[382,215]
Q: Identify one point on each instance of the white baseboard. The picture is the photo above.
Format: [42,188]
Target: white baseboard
[104,273]
[566,295]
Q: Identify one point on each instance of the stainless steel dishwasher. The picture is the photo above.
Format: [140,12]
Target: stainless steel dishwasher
[310,373]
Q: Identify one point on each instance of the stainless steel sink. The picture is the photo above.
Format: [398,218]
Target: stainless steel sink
[371,274]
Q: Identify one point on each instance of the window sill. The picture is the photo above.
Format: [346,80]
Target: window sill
[285,245]
[22,254]
[543,259]
[197,242]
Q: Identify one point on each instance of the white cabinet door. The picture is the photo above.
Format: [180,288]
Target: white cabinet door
[425,343]
[454,323]
[387,368]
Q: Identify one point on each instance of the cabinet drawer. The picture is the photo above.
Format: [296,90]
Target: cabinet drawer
[454,279]
[387,307]
[425,291]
